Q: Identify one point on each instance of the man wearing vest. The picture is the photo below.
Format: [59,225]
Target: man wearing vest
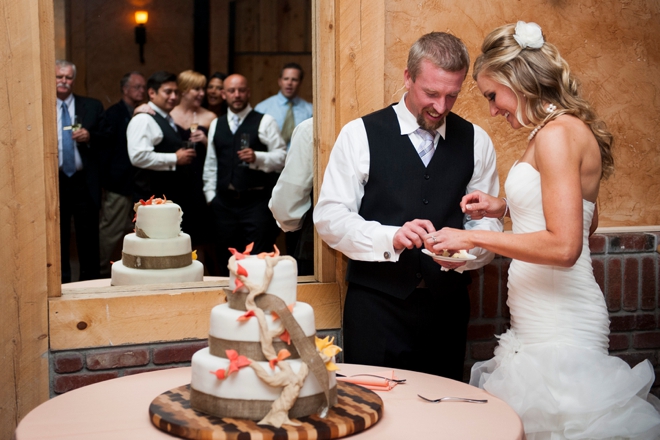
[245,155]
[155,147]
[395,176]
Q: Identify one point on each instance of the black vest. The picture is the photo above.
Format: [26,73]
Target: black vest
[401,189]
[159,183]
[227,145]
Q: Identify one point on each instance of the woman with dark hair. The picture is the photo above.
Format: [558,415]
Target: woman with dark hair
[552,365]
[214,99]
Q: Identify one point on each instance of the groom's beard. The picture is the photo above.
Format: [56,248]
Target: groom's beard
[426,125]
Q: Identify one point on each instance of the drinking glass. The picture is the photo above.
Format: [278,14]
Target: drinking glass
[245,143]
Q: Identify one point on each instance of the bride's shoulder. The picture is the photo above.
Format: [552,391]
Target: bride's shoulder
[565,131]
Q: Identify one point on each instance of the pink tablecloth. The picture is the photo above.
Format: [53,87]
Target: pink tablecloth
[119,409]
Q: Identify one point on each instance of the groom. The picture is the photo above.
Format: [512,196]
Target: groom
[395,176]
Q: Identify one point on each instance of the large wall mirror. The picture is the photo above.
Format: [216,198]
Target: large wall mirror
[252,37]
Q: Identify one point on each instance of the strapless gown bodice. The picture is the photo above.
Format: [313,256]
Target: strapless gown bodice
[552,366]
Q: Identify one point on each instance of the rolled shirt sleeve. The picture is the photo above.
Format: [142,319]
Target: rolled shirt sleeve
[271,161]
[142,134]
[210,171]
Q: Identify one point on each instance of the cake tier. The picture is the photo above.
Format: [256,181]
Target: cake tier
[243,394]
[227,332]
[157,247]
[159,221]
[126,276]
[284,282]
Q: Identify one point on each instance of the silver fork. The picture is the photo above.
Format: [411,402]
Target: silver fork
[401,381]
[452,399]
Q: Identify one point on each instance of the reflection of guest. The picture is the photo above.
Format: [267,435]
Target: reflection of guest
[552,365]
[117,171]
[80,191]
[155,146]
[291,202]
[214,100]
[287,107]
[238,181]
[393,177]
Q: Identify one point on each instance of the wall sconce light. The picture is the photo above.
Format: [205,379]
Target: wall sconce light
[141,18]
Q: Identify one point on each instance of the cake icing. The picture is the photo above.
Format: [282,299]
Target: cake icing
[157,252]
[260,365]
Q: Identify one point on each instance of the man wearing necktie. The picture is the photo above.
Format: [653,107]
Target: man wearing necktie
[245,155]
[395,176]
[79,139]
[287,107]
[156,148]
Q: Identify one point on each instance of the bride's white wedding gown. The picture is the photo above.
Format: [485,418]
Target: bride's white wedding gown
[552,367]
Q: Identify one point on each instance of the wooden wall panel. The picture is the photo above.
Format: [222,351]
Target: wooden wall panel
[27,51]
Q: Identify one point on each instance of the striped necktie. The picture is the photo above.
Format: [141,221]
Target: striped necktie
[427,147]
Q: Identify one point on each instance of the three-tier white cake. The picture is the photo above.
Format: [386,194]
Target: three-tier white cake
[157,252]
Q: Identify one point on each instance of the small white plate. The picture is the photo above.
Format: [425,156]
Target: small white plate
[451,259]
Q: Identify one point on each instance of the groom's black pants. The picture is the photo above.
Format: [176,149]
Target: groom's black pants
[425,332]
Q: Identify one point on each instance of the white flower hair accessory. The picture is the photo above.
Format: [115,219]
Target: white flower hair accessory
[528,35]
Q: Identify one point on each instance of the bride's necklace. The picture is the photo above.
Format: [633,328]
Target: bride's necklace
[550,108]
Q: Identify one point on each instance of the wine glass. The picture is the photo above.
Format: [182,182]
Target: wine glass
[245,143]
[193,128]
[75,125]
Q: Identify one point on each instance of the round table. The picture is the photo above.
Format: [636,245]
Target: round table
[119,409]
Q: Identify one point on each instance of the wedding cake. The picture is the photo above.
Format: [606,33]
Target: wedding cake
[263,361]
[157,252]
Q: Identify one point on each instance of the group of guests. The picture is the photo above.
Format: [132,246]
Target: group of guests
[415,176]
[199,143]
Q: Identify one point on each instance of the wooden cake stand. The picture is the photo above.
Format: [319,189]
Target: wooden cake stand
[357,409]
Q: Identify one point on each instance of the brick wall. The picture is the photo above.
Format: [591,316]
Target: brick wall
[627,268]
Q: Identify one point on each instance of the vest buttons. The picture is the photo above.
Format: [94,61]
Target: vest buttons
[424,201]
[418,275]
[386,255]
[427,177]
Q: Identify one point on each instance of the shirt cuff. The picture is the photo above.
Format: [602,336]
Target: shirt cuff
[210,195]
[383,247]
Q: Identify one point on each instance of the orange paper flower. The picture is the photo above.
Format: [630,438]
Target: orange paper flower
[246,316]
[283,354]
[241,270]
[275,253]
[327,347]
[236,361]
[220,374]
[286,337]
[194,255]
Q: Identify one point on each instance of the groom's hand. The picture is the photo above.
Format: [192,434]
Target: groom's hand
[412,234]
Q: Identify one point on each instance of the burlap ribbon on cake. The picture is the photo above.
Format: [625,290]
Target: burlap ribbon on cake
[140,233]
[166,262]
[305,346]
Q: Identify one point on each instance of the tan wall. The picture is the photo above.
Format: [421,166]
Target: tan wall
[611,46]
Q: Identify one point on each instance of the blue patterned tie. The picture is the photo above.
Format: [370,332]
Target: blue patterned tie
[68,155]
[426,153]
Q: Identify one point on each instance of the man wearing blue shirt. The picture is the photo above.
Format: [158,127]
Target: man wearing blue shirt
[287,107]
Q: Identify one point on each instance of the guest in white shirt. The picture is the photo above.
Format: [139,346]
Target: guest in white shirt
[291,202]
[395,176]
[245,155]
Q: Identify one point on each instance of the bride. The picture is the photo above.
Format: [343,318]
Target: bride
[552,366]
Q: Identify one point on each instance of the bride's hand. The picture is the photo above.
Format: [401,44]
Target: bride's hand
[144,108]
[478,205]
[448,238]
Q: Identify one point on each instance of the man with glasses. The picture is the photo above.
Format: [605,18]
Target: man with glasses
[117,172]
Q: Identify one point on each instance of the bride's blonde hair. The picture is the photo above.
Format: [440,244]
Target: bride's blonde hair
[543,77]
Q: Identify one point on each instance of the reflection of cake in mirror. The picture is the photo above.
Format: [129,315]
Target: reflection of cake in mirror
[264,362]
[157,252]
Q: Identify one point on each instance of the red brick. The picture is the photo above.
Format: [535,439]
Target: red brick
[131,371]
[635,358]
[646,321]
[646,340]
[175,353]
[598,265]
[69,382]
[634,242]
[491,289]
[481,351]
[597,244]
[117,358]
[613,293]
[619,342]
[649,283]
[622,323]
[474,291]
[630,284]
[480,331]
[67,362]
